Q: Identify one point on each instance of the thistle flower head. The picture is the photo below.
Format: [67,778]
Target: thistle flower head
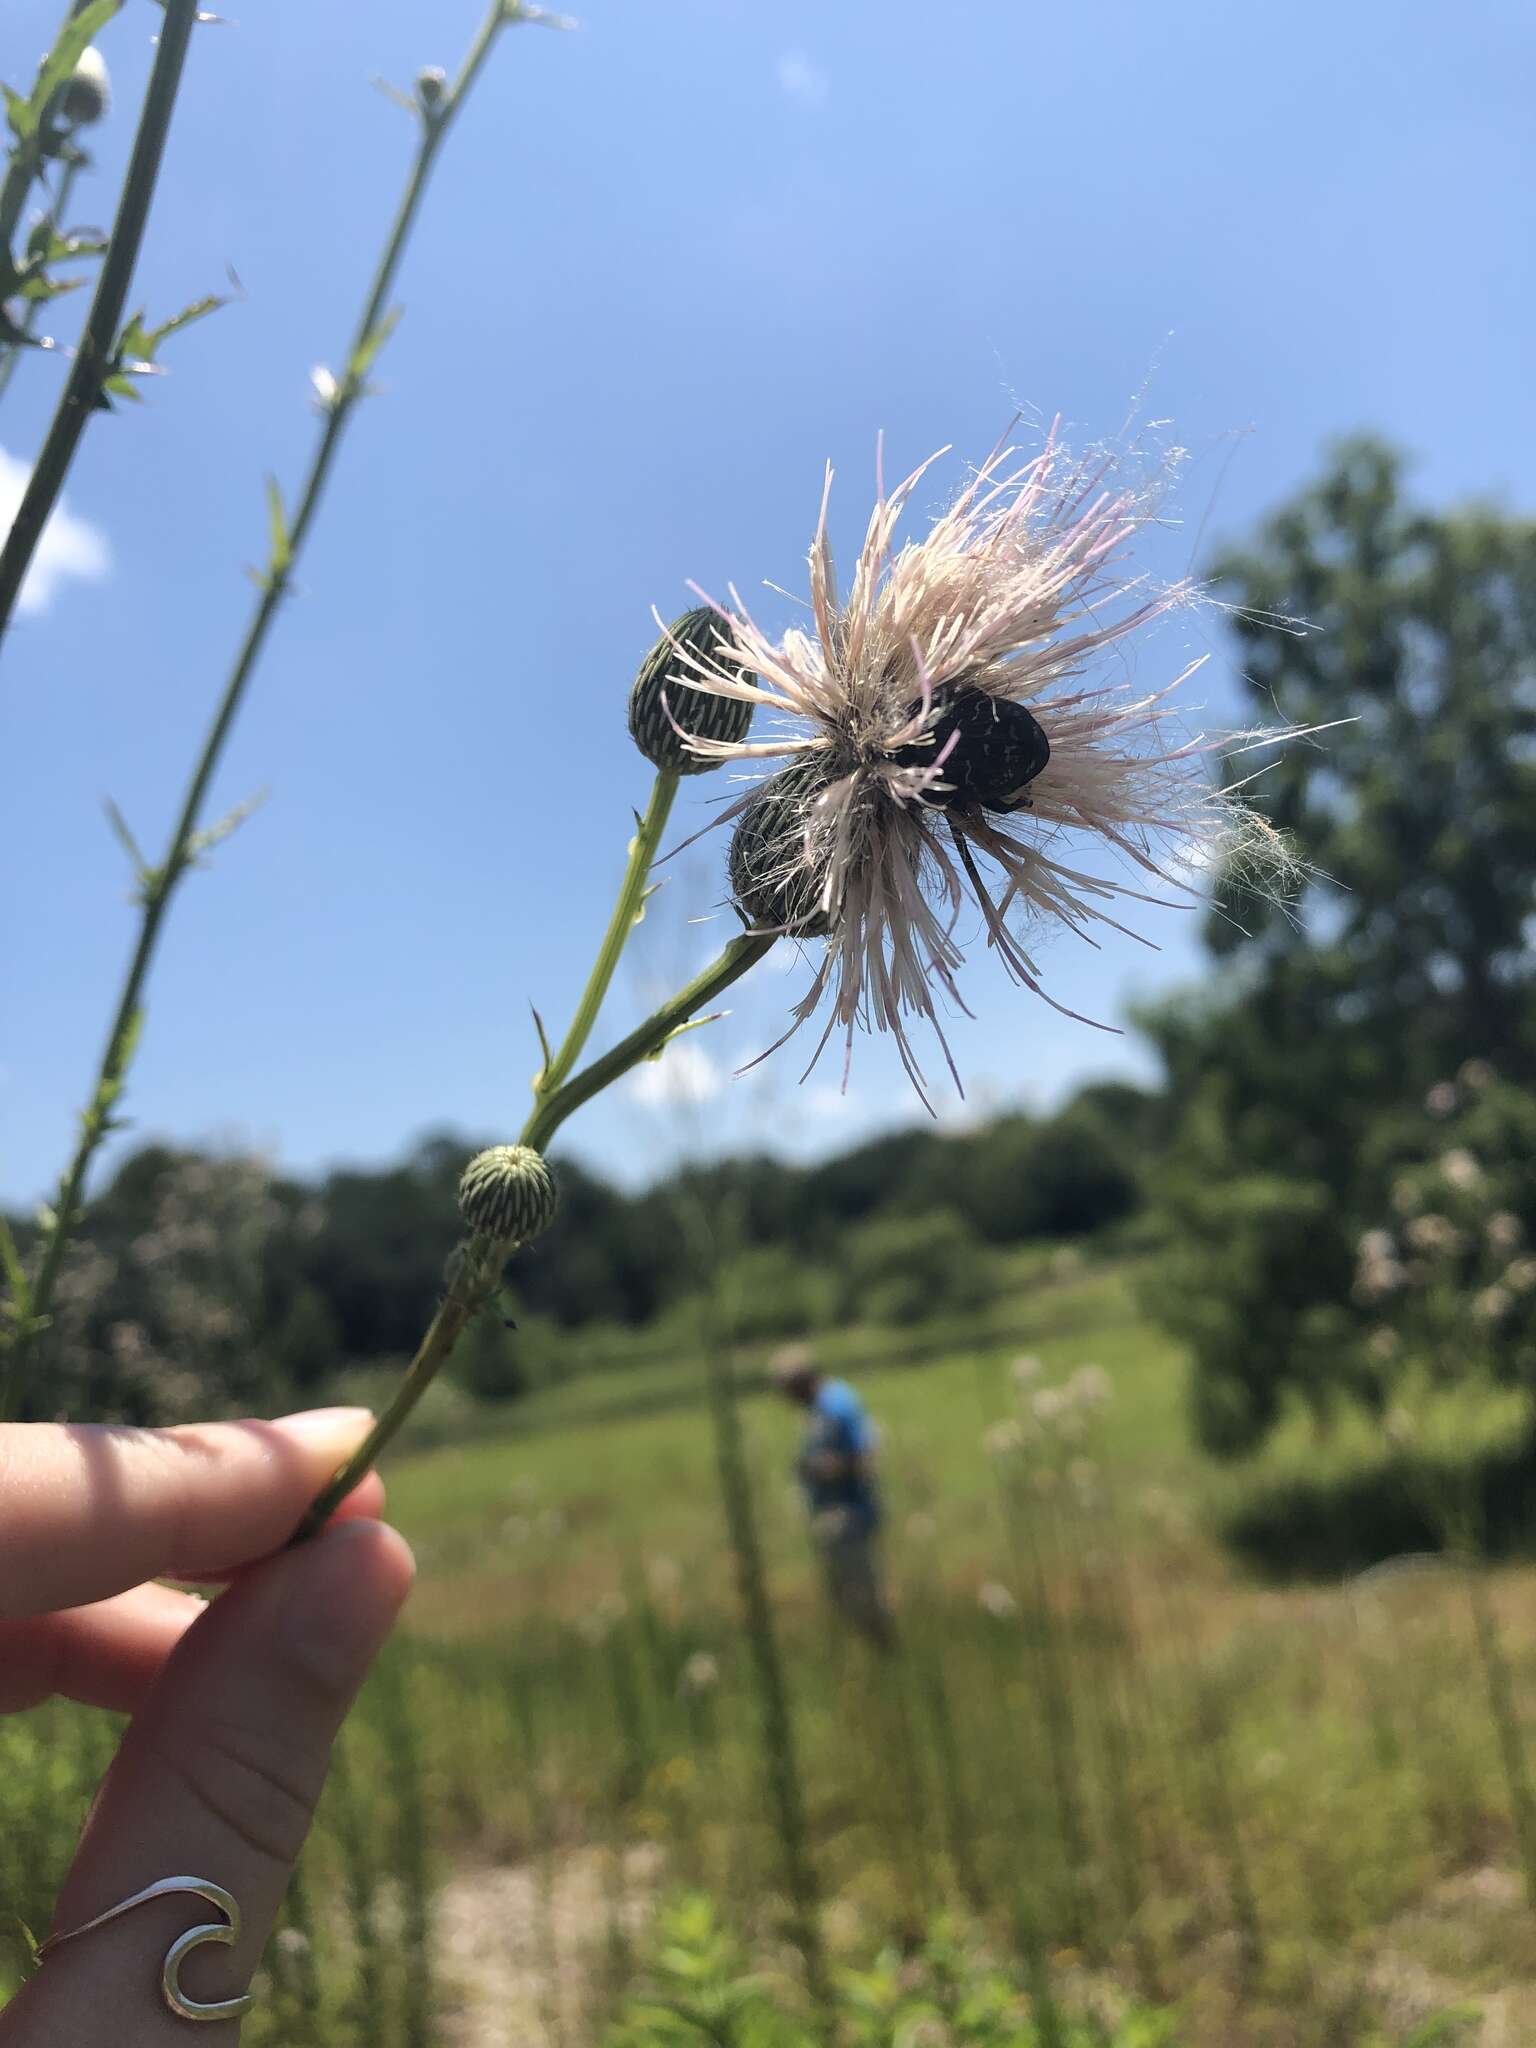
[950,742]
[667,709]
[507,1192]
[86,95]
[431,87]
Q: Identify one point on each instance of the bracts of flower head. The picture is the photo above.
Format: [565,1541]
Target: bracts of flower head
[949,738]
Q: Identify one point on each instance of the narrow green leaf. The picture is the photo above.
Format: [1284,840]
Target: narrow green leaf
[38,289]
[125,838]
[692,1024]
[279,541]
[19,116]
[393,92]
[215,834]
[367,351]
[198,310]
[538,1025]
[17,1283]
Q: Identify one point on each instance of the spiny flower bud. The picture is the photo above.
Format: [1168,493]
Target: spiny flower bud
[506,1191]
[87,93]
[431,85]
[664,674]
[776,881]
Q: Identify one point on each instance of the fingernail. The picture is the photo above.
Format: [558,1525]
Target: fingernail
[328,1426]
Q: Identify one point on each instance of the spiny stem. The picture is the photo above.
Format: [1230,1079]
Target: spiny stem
[626,914]
[94,355]
[480,1263]
[23,328]
[159,884]
[646,1038]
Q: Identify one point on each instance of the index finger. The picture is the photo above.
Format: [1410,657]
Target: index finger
[90,1509]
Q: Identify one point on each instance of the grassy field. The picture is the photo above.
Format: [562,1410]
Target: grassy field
[1284,1809]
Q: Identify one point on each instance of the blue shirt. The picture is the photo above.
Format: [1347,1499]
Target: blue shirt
[838,1423]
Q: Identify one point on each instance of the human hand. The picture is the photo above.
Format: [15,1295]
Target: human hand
[235,1705]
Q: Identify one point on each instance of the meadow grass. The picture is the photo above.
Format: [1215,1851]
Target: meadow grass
[1283,1813]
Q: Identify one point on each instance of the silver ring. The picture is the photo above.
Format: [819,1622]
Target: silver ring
[225,1933]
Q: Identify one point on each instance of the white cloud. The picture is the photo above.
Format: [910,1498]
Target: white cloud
[684,1075]
[801,80]
[69,548]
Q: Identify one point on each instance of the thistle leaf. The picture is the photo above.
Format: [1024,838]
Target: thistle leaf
[692,1024]
[18,115]
[125,838]
[215,834]
[18,1285]
[367,351]
[279,540]
[538,1025]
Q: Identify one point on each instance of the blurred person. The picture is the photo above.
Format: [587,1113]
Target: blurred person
[835,1471]
[234,1703]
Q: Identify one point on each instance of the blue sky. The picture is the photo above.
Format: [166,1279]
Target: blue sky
[671,264]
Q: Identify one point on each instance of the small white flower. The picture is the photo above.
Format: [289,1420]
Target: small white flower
[1503,1230]
[1025,1370]
[1491,1304]
[1003,1439]
[1091,1386]
[996,1600]
[1476,1074]
[1433,1233]
[1441,1099]
[1460,1168]
[325,387]
[1049,1405]
[701,1673]
[1398,1426]
[1520,1275]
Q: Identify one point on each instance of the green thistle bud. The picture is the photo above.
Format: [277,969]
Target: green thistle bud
[86,94]
[700,714]
[777,884]
[507,1191]
[431,86]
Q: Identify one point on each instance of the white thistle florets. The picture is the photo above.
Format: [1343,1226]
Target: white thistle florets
[947,742]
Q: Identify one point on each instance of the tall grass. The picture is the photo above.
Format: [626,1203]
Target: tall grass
[1253,1843]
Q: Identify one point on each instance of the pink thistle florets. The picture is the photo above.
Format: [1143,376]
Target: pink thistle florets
[948,742]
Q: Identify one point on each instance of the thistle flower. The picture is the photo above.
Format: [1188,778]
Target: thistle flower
[946,743]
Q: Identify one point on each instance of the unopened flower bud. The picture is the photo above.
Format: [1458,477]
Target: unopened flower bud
[506,1191]
[86,95]
[431,85]
[666,709]
[776,877]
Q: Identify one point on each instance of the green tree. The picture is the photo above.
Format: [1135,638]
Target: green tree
[1412,635]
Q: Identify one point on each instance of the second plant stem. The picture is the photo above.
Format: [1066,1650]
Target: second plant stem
[158,885]
[93,358]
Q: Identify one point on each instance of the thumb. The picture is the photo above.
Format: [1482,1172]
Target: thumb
[217,1779]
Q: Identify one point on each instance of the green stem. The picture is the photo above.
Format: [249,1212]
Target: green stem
[159,884]
[646,1038]
[56,216]
[480,1263]
[626,914]
[93,357]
